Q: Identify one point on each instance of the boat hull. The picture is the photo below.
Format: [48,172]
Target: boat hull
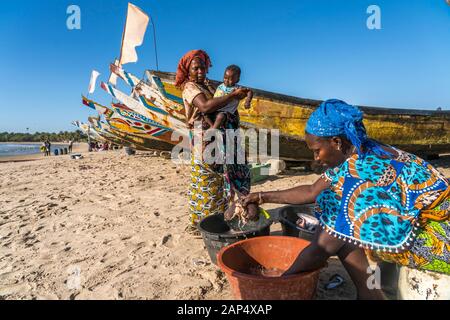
[418,131]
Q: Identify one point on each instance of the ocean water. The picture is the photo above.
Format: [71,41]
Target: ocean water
[12,149]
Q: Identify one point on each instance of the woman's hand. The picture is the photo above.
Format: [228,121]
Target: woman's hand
[251,198]
[252,212]
[240,93]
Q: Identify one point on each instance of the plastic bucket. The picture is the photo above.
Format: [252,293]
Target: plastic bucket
[56,152]
[240,260]
[288,216]
[217,234]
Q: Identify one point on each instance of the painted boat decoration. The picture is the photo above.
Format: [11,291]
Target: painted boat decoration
[121,118]
[147,109]
[105,131]
[151,92]
[89,131]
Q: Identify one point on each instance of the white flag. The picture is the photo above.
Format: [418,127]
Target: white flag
[133,35]
[113,77]
[93,81]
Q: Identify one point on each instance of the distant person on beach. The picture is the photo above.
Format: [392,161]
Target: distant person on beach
[94,146]
[70,146]
[212,185]
[43,149]
[371,197]
[47,147]
[230,80]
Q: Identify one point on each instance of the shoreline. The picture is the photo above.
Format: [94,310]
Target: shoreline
[37,143]
[77,148]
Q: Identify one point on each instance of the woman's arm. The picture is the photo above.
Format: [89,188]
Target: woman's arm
[207,106]
[317,253]
[298,195]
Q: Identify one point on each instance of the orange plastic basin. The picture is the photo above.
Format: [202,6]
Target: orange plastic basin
[240,260]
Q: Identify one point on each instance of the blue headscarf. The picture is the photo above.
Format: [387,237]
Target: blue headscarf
[335,118]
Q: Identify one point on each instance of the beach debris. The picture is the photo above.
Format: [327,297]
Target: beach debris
[76,156]
[129,151]
[165,154]
[199,262]
[335,281]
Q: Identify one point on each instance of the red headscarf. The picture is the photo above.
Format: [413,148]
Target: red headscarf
[185,62]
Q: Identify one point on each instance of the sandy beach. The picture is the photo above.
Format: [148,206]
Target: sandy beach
[111,226]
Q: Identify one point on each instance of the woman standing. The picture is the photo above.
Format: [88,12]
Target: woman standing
[373,197]
[212,184]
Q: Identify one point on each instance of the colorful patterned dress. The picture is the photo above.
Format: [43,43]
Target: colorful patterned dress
[212,185]
[396,208]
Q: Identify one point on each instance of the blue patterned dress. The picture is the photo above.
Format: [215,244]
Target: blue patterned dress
[376,202]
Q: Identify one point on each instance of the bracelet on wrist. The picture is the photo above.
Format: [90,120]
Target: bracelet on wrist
[260,200]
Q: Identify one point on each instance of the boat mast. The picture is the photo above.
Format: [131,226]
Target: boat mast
[154,43]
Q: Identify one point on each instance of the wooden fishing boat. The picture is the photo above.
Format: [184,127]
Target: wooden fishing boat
[116,135]
[419,131]
[89,131]
[144,132]
[422,132]
[142,143]
[105,131]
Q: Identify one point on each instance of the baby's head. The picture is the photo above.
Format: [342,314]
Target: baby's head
[232,75]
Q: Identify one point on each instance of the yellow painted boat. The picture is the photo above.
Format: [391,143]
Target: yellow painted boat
[422,132]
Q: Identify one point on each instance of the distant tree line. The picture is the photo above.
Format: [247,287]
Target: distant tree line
[42,136]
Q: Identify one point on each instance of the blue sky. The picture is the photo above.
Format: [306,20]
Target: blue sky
[315,49]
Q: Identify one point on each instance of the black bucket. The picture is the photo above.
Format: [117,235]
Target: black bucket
[217,234]
[288,216]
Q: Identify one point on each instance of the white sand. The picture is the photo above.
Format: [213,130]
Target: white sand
[118,222]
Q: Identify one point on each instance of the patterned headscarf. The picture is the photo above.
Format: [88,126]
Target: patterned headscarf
[183,66]
[335,117]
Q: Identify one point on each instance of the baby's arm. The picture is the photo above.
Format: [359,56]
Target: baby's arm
[248,100]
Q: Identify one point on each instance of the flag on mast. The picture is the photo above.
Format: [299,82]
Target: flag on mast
[113,77]
[93,81]
[133,34]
